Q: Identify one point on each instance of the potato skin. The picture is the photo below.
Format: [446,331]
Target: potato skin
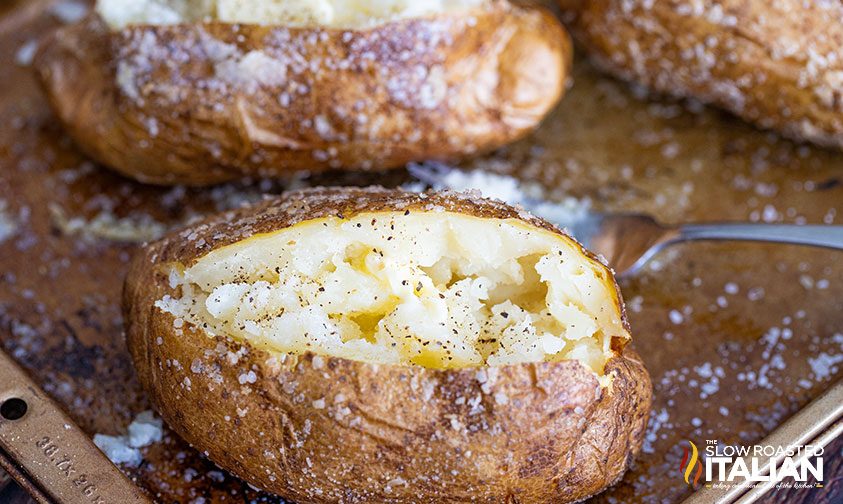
[323,429]
[208,102]
[775,64]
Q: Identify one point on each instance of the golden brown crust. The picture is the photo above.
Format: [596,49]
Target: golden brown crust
[323,429]
[208,102]
[776,64]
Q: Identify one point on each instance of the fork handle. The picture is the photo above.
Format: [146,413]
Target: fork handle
[814,235]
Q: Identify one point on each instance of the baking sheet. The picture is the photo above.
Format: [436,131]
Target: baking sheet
[737,337]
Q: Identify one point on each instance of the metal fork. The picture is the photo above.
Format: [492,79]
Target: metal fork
[629,241]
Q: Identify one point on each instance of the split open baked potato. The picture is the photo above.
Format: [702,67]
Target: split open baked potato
[776,64]
[203,91]
[373,345]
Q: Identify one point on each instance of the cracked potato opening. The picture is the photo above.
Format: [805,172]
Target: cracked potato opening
[433,288]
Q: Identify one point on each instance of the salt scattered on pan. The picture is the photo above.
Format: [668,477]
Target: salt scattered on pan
[26,52]
[824,365]
[658,421]
[8,224]
[108,226]
[676,317]
[570,213]
[118,450]
[143,431]
[709,382]
[69,11]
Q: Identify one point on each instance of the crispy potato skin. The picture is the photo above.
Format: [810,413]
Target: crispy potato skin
[778,65]
[540,432]
[208,102]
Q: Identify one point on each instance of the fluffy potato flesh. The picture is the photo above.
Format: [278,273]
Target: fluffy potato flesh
[330,13]
[436,289]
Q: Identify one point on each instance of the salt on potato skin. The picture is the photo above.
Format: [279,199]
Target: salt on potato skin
[207,102]
[316,428]
[778,65]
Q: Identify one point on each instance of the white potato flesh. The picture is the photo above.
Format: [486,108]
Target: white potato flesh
[328,13]
[436,289]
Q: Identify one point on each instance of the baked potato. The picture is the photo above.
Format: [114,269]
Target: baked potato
[778,64]
[373,345]
[200,92]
